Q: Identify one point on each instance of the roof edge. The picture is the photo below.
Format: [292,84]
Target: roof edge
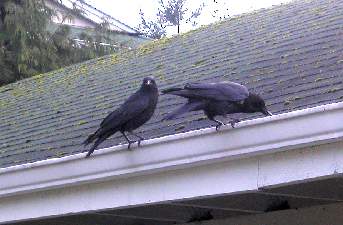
[266,135]
[124,30]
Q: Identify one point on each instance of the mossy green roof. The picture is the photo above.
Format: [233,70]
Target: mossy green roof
[290,54]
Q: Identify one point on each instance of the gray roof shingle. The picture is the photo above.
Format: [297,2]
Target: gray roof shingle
[290,54]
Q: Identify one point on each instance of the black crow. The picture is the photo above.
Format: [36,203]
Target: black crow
[133,113]
[215,99]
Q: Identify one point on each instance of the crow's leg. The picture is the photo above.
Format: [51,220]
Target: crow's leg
[233,122]
[139,137]
[219,123]
[211,117]
[127,139]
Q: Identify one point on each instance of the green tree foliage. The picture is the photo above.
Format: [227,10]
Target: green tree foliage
[28,48]
[170,13]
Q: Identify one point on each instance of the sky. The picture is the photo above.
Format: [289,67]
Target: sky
[127,11]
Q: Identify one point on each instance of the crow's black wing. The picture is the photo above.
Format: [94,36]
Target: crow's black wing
[188,107]
[222,91]
[130,109]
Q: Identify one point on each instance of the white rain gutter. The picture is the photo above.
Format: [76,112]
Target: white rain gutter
[205,149]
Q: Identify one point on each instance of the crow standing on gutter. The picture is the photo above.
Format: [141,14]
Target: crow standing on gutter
[216,99]
[133,113]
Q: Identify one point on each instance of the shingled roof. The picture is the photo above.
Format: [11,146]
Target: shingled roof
[290,54]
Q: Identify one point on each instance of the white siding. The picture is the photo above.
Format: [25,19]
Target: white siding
[74,21]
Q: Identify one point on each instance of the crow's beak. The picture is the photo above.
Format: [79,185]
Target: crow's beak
[266,112]
[148,82]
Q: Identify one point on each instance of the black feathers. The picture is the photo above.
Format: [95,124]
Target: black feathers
[215,99]
[221,91]
[133,113]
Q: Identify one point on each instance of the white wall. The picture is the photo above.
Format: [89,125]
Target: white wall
[61,12]
[78,21]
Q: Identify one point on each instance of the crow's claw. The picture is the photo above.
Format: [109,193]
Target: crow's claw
[219,125]
[129,145]
[139,141]
[233,122]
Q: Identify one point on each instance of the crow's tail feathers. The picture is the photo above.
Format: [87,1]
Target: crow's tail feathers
[100,136]
[171,90]
[90,139]
[188,107]
[91,150]
[97,142]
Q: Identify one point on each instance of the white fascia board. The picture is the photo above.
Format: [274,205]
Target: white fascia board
[282,132]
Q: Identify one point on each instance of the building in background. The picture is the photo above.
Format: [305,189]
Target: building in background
[81,17]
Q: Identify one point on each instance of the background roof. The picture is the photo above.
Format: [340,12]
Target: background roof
[290,54]
[94,15]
